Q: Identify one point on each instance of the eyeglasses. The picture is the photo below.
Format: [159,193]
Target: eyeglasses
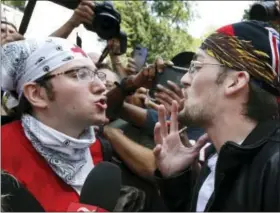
[82,74]
[196,65]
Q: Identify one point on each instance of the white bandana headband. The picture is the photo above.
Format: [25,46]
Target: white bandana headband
[28,60]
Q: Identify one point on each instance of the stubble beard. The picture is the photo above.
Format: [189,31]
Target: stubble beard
[194,116]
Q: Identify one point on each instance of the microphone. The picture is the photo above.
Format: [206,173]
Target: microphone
[101,190]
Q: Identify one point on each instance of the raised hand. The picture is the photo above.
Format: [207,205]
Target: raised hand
[171,155]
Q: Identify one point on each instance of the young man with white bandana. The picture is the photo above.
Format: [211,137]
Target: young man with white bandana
[61,97]
[57,131]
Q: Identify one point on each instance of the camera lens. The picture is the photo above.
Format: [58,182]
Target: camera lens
[265,11]
[258,12]
[109,26]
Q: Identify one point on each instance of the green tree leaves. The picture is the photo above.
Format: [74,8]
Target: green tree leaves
[160,26]
[19,4]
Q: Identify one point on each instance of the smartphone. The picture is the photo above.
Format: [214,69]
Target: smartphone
[140,54]
[170,73]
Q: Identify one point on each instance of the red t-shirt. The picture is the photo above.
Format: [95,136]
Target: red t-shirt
[20,159]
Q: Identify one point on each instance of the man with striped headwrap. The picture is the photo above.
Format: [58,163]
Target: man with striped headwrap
[231,91]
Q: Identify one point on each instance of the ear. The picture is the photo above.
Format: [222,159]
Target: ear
[36,95]
[236,81]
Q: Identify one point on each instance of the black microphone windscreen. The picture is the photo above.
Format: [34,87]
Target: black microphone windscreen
[102,186]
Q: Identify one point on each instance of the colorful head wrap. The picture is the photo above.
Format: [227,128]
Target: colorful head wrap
[249,46]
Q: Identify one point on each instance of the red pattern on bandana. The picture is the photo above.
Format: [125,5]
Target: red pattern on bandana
[78,50]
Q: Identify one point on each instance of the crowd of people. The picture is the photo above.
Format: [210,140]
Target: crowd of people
[209,144]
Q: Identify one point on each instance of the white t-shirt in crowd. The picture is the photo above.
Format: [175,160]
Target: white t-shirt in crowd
[207,187]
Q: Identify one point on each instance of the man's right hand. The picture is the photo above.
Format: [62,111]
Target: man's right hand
[83,14]
[171,155]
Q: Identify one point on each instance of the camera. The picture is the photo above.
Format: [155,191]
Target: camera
[264,11]
[107,20]
[106,24]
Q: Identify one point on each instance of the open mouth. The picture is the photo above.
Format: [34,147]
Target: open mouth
[102,104]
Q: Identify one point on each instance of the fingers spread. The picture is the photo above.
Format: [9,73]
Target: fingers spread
[174,114]
[157,134]
[162,121]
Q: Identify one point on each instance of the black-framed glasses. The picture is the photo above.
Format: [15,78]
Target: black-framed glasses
[82,74]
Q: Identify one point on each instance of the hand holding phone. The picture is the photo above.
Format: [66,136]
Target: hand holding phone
[139,55]
[131,67]
[170,73]
[146,76]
